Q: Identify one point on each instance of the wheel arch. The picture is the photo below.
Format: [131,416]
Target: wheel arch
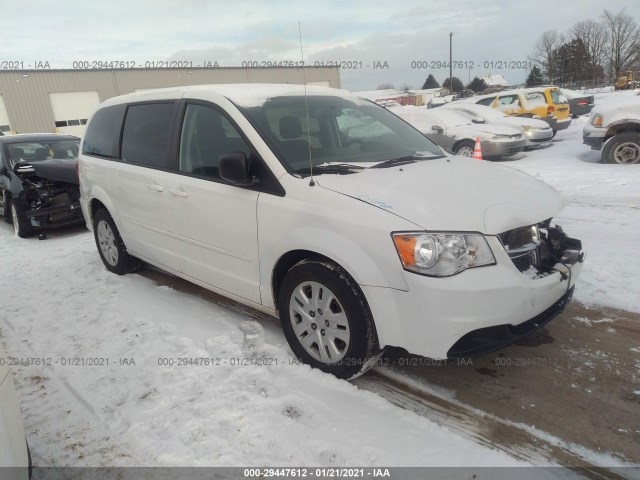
[288,260]
[622,127]
[460,142]
[99,199]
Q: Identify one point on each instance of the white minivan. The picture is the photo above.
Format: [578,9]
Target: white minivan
[330,212]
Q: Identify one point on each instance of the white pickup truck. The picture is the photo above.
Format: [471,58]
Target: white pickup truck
[616,131]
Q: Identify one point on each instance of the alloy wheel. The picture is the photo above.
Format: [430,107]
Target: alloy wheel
[319,322]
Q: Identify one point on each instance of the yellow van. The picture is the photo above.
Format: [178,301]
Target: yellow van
[547,103]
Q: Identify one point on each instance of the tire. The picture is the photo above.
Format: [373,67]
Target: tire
[111,248]
[21,224]
[344,327]
[6,212]
[623,149]
[465,148]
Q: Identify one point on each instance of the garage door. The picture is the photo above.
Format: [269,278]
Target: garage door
[72,109]
[5,127]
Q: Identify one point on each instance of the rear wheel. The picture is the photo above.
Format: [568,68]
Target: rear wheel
[465,148]
[110,245]
[624,148]
[326,320]
[21,223]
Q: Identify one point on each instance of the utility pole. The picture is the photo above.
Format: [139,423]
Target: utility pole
[451,63]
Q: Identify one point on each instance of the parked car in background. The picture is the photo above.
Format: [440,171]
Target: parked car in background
[579,103]
[536,132]
[14,452]
[547,103]
[39,182]
[326,210]
[453,131]
[616,131]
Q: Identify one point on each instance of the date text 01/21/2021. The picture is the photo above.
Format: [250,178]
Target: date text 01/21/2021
[471,64]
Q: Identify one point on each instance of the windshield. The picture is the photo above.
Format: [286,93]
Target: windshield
[335,131]
[38,151]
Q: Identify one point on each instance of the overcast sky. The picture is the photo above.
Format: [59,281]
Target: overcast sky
[397,32]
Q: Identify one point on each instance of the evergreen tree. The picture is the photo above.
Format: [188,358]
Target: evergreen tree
[430,82]
[535,77]
[477,85]
[457,85]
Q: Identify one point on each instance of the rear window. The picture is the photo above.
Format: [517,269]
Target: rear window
[146,136]
[557,97]
[103,132]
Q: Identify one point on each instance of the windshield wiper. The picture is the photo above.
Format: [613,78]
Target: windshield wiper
[404,160]
[330,168]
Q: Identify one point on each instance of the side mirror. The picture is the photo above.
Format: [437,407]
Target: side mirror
[478,120]
[437,129]
[234,168]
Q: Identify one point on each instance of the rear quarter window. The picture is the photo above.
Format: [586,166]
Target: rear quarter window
[146,136]
[103,132]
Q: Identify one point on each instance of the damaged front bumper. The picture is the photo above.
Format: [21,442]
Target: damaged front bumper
[455,316]
[544,251]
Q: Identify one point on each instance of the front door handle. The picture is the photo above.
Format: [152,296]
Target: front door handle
[155,187]
[178,192]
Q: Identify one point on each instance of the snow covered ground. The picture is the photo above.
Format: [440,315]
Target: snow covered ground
[139,406]
[59,303]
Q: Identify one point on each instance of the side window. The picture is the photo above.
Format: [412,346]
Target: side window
[536,99]
[146,137]
[207,134]
[103,132]
[485,101]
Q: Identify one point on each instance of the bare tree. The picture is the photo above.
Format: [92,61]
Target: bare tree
[543,52]
[595,38]
[385,86]
[624,43]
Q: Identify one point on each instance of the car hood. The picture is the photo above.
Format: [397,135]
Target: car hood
[482,129]
[453,193]
[55,170]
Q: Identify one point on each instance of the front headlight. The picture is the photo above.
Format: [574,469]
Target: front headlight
[597,120]
[500,136]
[526,128]
[442,254]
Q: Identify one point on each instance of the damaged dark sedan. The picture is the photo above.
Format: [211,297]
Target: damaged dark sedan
[39,182]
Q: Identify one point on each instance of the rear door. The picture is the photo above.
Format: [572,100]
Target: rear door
[142,181]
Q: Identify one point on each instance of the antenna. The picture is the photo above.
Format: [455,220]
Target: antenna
[306,107]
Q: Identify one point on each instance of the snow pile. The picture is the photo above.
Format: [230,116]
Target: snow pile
[59,302]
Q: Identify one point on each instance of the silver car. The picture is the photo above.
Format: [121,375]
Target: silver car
[14,455]
[458,134]
[536,132]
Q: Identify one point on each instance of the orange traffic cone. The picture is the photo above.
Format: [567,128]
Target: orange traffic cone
[477,151]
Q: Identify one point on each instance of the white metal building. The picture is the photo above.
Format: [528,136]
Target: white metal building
[49,101]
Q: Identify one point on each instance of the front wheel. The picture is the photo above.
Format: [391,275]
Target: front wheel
[465,148]
[110,245]
[21,223]
[624,148]
[326,319]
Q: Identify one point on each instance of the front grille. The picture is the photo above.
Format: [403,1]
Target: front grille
[525,262]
